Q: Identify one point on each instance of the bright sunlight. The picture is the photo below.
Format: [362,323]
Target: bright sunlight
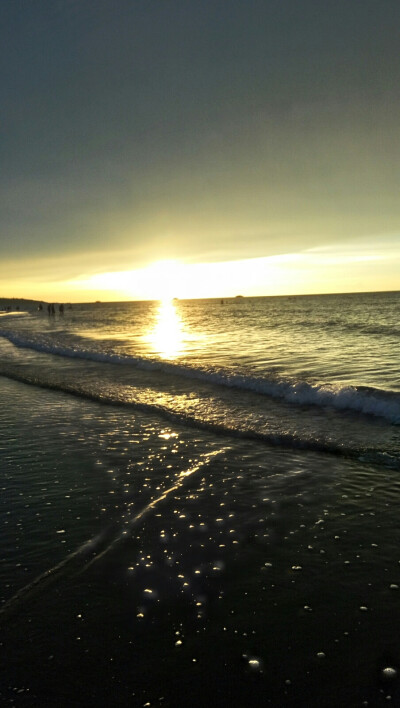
[166,337]
[284,274]
[159,281]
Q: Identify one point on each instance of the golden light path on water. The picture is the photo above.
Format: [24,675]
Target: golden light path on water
[168,337]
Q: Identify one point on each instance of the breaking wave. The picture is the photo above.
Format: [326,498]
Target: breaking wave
[360,399]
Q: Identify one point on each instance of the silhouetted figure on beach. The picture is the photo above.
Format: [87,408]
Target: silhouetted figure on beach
[61,309]
[40,307]
[49,309]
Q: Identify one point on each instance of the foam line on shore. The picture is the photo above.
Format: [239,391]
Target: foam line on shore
[284,440]
[360,399]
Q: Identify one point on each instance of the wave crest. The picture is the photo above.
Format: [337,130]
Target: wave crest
[361,399]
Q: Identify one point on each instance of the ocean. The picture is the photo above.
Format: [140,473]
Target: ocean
[200,503]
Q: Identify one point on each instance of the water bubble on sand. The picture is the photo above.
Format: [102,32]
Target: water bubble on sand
[218,565]
[297,567]
[394,586]
[363,608]
[254,663]
[389,673]
[321,655]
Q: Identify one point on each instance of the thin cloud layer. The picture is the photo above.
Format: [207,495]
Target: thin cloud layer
[202,132]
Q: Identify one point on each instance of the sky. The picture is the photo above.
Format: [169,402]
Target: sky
[197,148]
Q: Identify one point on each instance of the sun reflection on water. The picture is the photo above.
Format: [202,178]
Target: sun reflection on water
[167,336]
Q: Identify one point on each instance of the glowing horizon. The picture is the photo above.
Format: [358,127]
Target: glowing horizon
[286,274]
[200,151]
[328,269]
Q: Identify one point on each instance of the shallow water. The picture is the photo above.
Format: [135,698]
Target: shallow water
[172,538]
[219,570]
[318,372]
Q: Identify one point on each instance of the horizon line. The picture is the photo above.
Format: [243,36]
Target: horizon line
[195,299]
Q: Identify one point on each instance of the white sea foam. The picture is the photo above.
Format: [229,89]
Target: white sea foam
[362,399]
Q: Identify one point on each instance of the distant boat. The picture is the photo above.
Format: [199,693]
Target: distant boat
[238,296]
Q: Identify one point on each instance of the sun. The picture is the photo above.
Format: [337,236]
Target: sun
[167,279]
[158,281]
[163,279]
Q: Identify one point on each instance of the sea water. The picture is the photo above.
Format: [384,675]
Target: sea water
[200,503]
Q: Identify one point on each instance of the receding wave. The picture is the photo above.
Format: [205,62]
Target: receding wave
[361,399]
[242,429]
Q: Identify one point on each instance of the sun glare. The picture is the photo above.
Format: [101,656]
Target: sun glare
[167,336]
[163,278]
[284,274]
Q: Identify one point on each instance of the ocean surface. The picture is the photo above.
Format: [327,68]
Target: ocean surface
[200,503]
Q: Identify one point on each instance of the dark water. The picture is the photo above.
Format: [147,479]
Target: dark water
[218,570]
[183,540]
